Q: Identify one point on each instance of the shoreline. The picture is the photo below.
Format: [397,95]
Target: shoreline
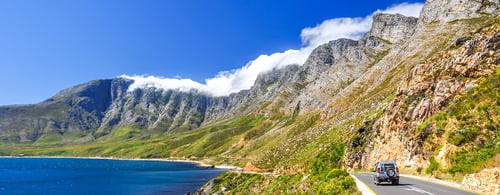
[198,163]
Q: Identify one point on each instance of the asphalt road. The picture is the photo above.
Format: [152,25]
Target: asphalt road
[409,186]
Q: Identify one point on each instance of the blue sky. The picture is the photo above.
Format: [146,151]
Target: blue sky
[46,46]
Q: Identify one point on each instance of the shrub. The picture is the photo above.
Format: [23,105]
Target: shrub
[470,161]
[331,158]
[334,173]
[462,136]
[433,166]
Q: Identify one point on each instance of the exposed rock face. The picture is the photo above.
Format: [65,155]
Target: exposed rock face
[100,106]
[393,27]
[425,94]
[333,66]
[487,181]
[151,108]
[426,90]
[451,10]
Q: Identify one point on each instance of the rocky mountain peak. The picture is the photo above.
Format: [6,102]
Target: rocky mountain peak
[93,96]
[450,10]
[84,89]
[392,27]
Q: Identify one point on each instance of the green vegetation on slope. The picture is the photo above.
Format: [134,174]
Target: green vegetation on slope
[328,159]
[335,181]
[131,142]
[49,138]
[470,123]
[326,177]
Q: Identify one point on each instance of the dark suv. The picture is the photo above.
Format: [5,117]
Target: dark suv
[386,171]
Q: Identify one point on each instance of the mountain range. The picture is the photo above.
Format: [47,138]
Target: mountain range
[421,91]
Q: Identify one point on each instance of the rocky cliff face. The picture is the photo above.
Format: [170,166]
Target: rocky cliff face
[386,92]
[424,127]
[153,109]
[96,107]
[333,66]
[393,28]
[426,90]
[443,11]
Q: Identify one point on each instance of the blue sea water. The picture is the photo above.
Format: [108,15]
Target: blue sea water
[100,176]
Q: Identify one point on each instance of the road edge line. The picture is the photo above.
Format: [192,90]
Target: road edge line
[430,180]
[365,190]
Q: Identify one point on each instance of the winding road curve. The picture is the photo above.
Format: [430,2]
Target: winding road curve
[408,186]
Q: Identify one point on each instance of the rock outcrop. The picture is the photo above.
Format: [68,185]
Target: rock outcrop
[425,91]
[393,28]
[487,181]
[443,11]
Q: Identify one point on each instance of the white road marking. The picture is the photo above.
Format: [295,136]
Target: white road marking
[411,188]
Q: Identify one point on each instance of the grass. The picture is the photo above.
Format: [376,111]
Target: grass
[238,183]
[384,41]
[129,142]
[326,177]
[328,159]
[333,181]
[49,138]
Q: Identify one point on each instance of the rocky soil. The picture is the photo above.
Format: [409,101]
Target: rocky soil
[487,181]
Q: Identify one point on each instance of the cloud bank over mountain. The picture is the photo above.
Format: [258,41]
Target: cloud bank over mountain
[227,82]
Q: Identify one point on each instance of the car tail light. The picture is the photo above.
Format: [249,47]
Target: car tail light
[378,170]
[397,169]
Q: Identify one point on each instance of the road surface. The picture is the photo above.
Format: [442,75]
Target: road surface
[409,186]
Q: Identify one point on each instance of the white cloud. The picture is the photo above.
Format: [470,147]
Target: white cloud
[162,83]
[351,28]
[407,9]
[227,82]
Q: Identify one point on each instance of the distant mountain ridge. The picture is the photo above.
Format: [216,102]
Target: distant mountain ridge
[99,106]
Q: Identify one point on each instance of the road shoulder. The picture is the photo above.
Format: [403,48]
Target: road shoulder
[439,182]
[362,187]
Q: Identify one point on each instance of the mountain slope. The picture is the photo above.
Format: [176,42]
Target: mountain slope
[76,111]
[111,105]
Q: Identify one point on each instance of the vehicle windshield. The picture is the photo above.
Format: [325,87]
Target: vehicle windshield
[387,166]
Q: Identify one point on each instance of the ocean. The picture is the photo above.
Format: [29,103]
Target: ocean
[100,176]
